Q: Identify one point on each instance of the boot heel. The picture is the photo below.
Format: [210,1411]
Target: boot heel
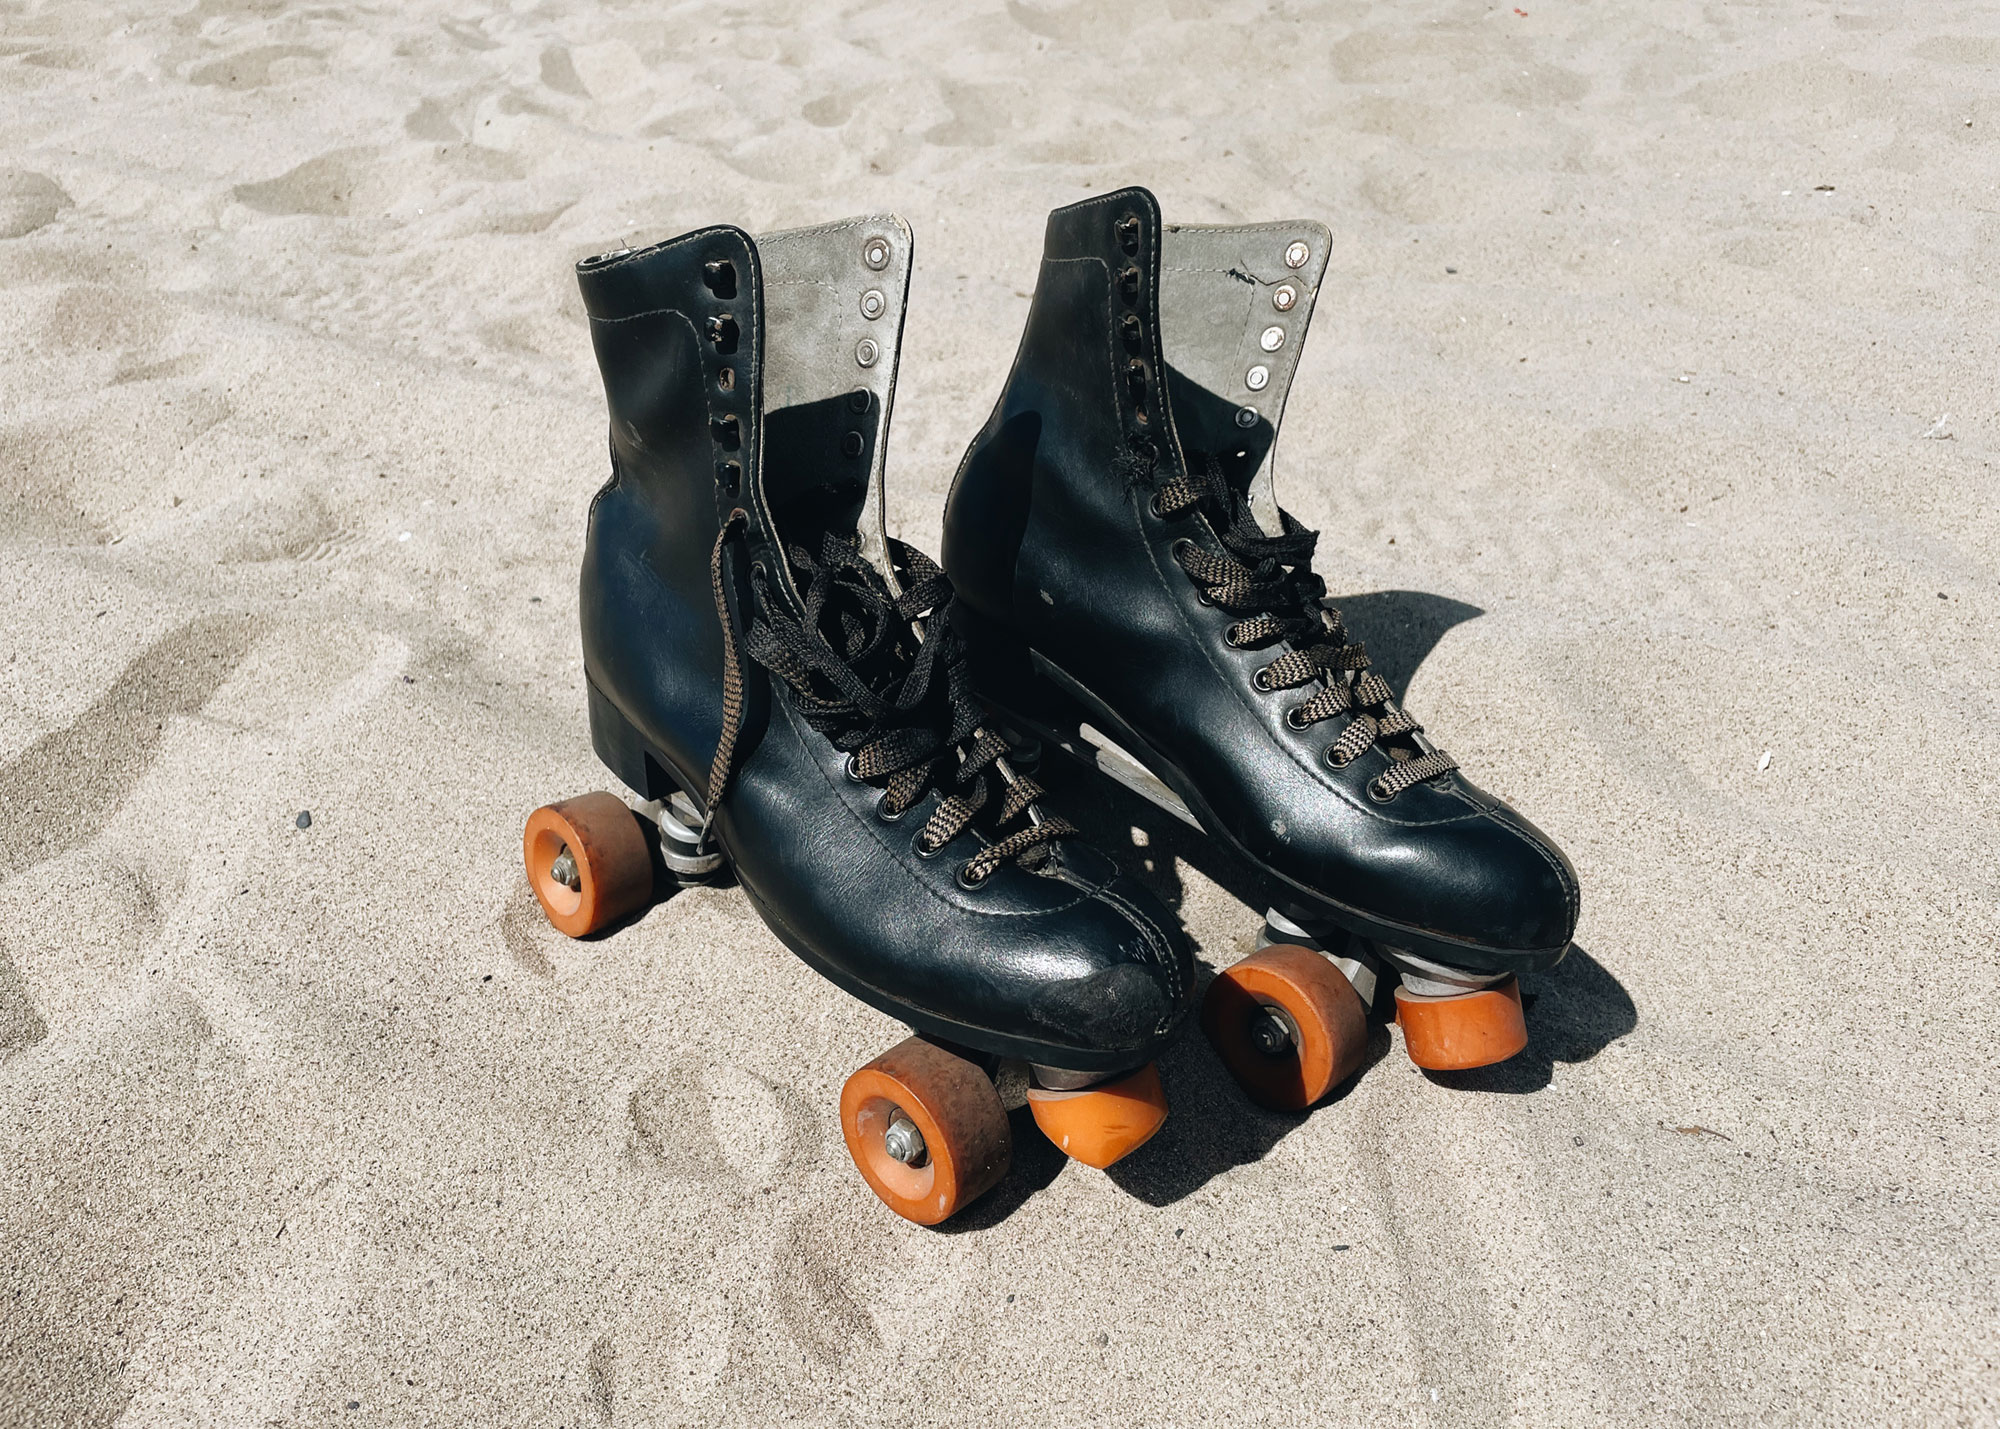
[623,750]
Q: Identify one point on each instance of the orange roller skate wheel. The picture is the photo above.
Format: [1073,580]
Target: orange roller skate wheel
[614,872]
[1099,1125]
[1463,1030]
[965,1143]
[1288,1025]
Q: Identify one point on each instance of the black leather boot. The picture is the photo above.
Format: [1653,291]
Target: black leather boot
[786,690]
[1116,531]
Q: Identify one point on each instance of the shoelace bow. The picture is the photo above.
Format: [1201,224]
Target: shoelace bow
[901,708]
[1267,582]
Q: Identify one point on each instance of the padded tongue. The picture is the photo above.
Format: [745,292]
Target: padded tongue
[1234,304]
[834,297]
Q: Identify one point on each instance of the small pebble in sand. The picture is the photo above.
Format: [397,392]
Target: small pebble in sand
[305,819]
[1764,762]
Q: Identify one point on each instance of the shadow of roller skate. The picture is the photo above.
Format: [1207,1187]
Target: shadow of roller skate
[1036,1163]
[1148,843]
[1574,1011]
[1401,628]
[1213,1127]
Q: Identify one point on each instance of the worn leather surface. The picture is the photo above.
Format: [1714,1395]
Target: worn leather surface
[1049,538]
[1074,967]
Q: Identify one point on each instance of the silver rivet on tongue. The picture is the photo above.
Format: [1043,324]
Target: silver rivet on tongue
[865,352]
[1246,416]
[1272,338]
[872,303]
[875,253]
[1283,296]
[1296,255]
[1256,378]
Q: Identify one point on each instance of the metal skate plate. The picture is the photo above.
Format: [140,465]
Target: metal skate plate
[683,848]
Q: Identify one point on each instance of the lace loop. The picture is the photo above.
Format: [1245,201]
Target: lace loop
[894,694]
[1267,582]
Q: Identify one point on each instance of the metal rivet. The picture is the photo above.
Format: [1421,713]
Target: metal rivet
[875,253]
[1255,379]
[1246,416]
[852,444]
[1283,296]
[1272,338]
[872,303]
[1296,255]
[865,352]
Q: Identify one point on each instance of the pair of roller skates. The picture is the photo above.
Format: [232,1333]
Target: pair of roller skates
[794,697]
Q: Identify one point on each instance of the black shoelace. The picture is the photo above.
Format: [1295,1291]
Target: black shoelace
[1267,582]
[900,707]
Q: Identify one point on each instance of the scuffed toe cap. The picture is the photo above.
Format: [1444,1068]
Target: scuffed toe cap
[1138,1000]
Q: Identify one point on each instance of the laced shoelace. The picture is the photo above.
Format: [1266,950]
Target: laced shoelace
[1267,582]
[901,708]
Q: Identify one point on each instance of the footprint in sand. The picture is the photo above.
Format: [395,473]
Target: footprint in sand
[323,187]
[252,68]
[62,790]
[21,1026]
[28,201]
[433,122]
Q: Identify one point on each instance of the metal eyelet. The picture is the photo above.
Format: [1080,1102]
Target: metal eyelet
[853,771]
[718,275]
[1183,544]
[882,810]
[970,885]
[1338,757]
[1377,793]
[1204,597]
[1262,679]
[1292,717]
[923,850]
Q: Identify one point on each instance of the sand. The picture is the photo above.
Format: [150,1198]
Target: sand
[1649,418]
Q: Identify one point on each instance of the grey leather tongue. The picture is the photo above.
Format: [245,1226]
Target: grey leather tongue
[834,298]
[1234,304]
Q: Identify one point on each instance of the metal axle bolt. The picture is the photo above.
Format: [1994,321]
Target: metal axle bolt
[903,1141]
[1270,1035]
[564,871]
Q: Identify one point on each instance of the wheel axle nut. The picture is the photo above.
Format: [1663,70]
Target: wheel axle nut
[903,1141]
[1269,1035]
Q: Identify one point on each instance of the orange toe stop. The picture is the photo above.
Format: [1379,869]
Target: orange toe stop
[1100,1124]
[1463,1030]
[1288,1025]
[613,873]
[962,1143]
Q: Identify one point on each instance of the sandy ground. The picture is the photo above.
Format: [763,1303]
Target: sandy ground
[1688,462]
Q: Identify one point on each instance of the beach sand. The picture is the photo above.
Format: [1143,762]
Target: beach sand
[1648,418]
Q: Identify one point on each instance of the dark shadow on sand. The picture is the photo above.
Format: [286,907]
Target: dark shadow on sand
[1574,1010]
